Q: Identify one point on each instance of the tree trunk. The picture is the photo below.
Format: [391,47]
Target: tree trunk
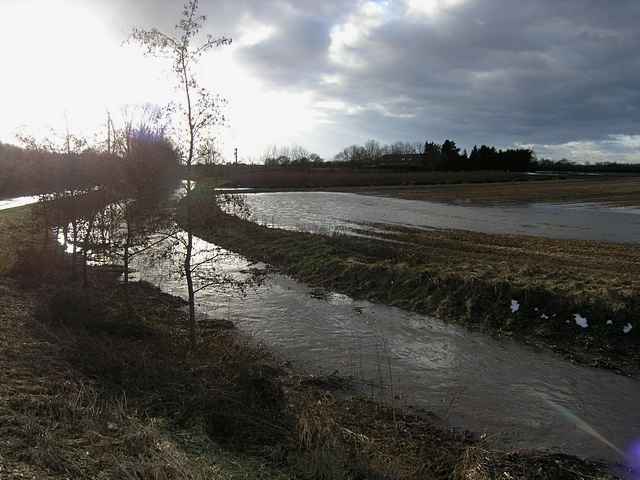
[56,247]
[85,249]
[74,255]
[85,278]
[192,299]
[126,265]
[127,301]
[45,235]
[127,246]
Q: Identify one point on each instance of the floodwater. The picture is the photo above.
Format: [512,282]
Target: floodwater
[327,211]
[519,397]
[17,202]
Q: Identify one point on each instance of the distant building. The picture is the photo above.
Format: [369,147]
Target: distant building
[410,160]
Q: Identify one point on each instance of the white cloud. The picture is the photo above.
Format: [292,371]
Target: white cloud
[332,79]
[614,148]
[431,8]
[252,33]
[348,37]
[626,141]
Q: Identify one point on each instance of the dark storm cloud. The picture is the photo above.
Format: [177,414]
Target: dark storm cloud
[295,56]
[483,71]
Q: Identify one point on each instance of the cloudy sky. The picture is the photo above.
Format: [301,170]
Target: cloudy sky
[562,76]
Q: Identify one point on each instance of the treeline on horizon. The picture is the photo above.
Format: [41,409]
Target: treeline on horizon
[435,157]
[136,161]
[144,156]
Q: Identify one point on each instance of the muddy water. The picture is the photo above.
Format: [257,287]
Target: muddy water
[330,210]
[518,396]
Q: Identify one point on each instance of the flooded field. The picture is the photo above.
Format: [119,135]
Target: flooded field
[8,203]
[328,211]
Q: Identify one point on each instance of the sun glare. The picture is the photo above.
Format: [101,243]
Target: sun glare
[258,116]
[70,68]
[58,60]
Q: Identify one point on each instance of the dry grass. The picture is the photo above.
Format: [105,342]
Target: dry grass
[56,423]
[615,191]
[17,232]
[59,421]
[589,269]
[480,464]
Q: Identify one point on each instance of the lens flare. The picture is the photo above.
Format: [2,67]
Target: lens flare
[581,424]
[633,459]
[632,456]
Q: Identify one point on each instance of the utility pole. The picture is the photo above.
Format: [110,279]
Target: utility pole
[235,152]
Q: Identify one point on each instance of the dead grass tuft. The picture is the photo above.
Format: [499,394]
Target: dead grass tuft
[480,464]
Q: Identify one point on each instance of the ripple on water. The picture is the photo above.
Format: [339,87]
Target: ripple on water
[503,388]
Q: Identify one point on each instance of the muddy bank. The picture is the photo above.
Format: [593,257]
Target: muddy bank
[577,298]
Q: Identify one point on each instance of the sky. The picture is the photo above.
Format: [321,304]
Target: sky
[562,77]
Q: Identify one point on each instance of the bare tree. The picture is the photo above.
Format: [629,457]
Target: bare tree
[199,111]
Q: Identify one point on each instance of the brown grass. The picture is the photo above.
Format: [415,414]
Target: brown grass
[615,191]
[480,464]
[17,232]
[56,423]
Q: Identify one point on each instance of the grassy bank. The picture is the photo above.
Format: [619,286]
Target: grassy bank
[101,383]
[91,392]
[615,191]
[579,298]
[17,232]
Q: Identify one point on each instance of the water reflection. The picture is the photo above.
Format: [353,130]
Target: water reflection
[501,388]
[17,202]
[336,211]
